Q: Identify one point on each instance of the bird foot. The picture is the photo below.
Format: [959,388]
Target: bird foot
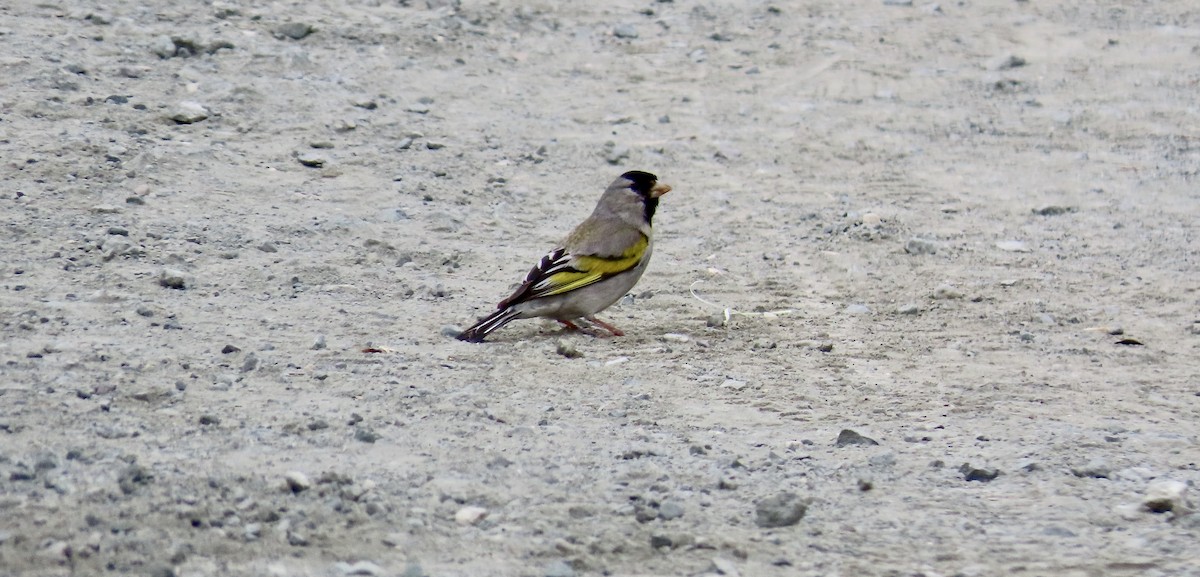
[606,326]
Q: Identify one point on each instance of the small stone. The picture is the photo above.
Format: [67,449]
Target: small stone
[1012,246]
[163,46]
[209,420]
[311,159]
[946,291]
[567,350]
[366,435]
[559,568]
[451,331]
[858,309]
[229,349]
[881,461]
[660,542]
[978,474]
[780,510]
[251,531]
[470,515]
[105,209]
[872,220]
[625,31]
[849,437]
[189,112]
[1166,495]
[1006,62]
[318,343]
[670,510]
[297,481]
[908,309]
[174,279]
[917,245]
[293,30]
[723,566]
[416,108]
[1052,210]
[897,2]
[413,569]
[361,568]
[1095,469]
[250,363]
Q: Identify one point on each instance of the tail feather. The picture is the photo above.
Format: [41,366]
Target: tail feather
[486,325]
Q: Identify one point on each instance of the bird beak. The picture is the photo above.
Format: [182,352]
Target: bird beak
[659,190]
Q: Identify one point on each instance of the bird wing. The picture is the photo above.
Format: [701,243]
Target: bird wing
[560,272]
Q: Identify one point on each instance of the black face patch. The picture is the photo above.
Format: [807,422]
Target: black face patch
[642,182]
[651,204]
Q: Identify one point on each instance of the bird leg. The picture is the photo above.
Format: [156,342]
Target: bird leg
[569,325]
[614,330]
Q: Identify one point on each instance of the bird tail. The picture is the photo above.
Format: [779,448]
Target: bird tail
[485,326]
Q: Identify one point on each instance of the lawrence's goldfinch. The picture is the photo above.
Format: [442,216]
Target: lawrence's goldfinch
[594,267]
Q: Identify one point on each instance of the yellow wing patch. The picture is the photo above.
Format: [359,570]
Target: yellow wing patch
[593,268]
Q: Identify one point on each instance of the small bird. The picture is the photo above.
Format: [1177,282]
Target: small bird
[593,267]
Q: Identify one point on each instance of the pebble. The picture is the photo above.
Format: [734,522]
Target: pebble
[297,481]
[917,245]
[312,159]
[360,568]
[1012,246]
[105,209]
[1095,469]
[978,474]
[858,309]
[625,31]
[908,309]
[780,510]
[1006,62]
[1052,210]
[470,515]
[566,349]
[849,437]
[946,291]
[174,279]
[1166,495]
[163,46]
[318,343]
[881,461]
[723,566]
[872,220]
[294,30]
[897,2]
[559,568]
[670,510]
[250,363]
[189,112]
[366,435]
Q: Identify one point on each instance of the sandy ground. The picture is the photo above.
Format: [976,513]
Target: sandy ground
[966,231]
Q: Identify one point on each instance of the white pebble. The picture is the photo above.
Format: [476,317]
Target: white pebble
[470,515]
[1166,495]
[297,481]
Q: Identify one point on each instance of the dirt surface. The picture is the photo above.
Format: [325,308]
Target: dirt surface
[965,231]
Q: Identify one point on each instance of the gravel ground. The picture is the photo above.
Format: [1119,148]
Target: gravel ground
[925,299]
